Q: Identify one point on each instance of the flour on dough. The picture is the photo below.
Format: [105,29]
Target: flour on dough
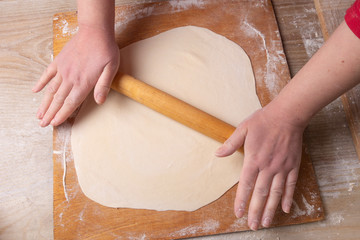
[127,155]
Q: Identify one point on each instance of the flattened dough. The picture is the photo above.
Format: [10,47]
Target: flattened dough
[127,155]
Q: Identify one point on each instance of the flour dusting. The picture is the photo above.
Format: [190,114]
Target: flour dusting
[67,30]
[181,5]
[238,224]
[351,186]
[332,219]
[61,140]
[60,149]
[297,212]
[272,57]
[64,174]
[309,33]
[309,208]
[60,216]
[341,175]
[123,17]
[81,214]
[335,219]
[205,227]
[312,45]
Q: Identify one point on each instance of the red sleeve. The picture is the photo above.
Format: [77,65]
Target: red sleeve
[352,18]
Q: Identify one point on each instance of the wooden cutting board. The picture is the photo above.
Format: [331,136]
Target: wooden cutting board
[252,25]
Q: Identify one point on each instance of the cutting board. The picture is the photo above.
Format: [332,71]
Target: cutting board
[252,25]
[331,13]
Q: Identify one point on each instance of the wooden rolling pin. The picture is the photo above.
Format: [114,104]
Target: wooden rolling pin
[173,108]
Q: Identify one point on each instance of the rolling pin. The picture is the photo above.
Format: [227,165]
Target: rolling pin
[173,108]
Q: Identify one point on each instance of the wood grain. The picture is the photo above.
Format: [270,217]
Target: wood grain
[330,19]
[78,216]
[25,148]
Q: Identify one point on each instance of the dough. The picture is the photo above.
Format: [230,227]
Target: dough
[127,155]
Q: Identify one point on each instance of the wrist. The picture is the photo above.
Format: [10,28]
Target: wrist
[97,16]
[282,112]
[96,30]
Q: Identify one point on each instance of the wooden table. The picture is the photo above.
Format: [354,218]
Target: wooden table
[26,149]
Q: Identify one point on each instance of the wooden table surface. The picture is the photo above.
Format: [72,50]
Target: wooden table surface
[26,149]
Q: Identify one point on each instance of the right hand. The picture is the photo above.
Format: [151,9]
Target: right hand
[272,159]
[90,59]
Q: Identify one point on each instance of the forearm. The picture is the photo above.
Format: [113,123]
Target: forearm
[333,70]
[96,14]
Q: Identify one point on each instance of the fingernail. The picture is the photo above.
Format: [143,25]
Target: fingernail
[219,151]
[39,115]
[266,222]
[254,225]
[287,207]
[53,122]
[240,212]
[43,123]
[100,98]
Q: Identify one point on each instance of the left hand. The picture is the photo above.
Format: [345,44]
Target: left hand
[272,148]
[90,59]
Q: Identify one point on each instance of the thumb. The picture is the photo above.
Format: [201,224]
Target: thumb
[233,143]
[102,87]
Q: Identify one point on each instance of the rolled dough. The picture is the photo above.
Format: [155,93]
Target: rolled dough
[127,155]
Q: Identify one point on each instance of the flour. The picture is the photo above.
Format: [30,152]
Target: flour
[309,208]
[182,5]
[272,57]
[61,218]
[61,141]
[61,149]
[332,219]
[335,219]
[123,18]
[81,214]
[67,30]
[297,211]
[309,33]
[312,45]
[64,174]
[238,224]
[351,186]
[341,174]
[308,211]
[131,237]
[208,226]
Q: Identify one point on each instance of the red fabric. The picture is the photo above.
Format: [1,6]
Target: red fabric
[352,18]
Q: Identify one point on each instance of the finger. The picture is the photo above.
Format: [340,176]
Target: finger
[57,102]
[102,87]
[245,187]
[233,143]
[258,199]
[51,90]
[46,77]
[276,191]
[289,189]
[72,102]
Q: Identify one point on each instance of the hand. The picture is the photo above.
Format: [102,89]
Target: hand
[90,59]
[272,158]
